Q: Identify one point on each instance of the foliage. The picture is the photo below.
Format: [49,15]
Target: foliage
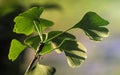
[30,24]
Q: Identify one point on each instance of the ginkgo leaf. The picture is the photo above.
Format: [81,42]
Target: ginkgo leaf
[24,22]
[34,42]
[97,34]
[15,49]
[41,70]
[46,49]
[45,23]
[23,25]
[57,41]
[75,52]
[93,25]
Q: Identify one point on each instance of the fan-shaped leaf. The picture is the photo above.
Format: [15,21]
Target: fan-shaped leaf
[34,42]
[75,52]
[57,41]
[45,23]
[92,24]
[24,22]
[15,49]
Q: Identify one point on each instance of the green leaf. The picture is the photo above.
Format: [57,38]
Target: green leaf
[93,25]
[15,49]
[23,25]
[33,13]
[97,34]
[34,42]
[61,37]
[75,52]
[46,49]
[24,22]
[57,41]
[45,23]
[41,70]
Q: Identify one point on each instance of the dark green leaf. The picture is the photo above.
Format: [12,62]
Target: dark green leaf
[46,49]
[97,34]
[15,49]
[92,24]
[61,37]
[75,52]
[57,41]
[34,42]
[41,70]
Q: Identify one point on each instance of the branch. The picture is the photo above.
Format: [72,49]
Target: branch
[35,58]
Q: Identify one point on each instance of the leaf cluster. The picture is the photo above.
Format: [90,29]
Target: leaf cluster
[30,24]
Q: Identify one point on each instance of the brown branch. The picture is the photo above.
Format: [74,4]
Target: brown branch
[36,57]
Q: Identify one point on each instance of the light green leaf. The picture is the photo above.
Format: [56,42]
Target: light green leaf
[33,13]
[23,25]
[93,25]
[41,70]
[75,52]
[15,49]
[24,22]
[45,23]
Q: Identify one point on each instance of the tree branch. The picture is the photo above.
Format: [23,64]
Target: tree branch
[35,58]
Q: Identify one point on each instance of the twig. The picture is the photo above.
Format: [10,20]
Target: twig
[35,58]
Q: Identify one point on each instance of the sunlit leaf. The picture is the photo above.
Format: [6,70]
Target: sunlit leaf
[15,49]
[41,70]
[97,34]
[75,52]
[23,25]
[57,41]
[93,25]
[45,23]
[24,22]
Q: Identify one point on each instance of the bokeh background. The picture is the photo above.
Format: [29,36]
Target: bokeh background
[103,57]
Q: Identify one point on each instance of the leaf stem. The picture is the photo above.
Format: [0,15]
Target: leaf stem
[46,37]
[39,31]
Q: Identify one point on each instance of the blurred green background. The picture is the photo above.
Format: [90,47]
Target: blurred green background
[103,57]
